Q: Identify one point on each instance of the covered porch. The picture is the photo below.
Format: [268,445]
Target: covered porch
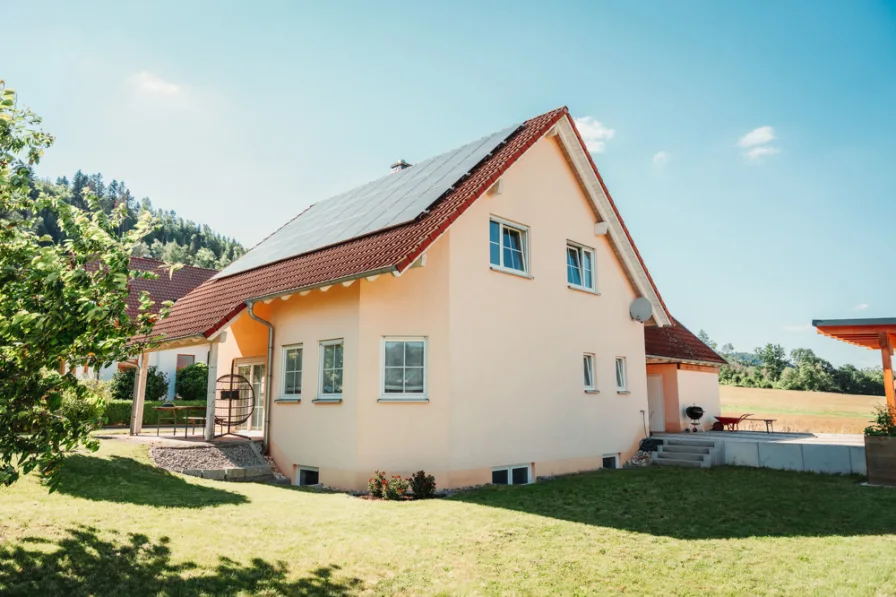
[874,334]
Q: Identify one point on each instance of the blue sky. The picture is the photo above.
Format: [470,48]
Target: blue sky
[748,146]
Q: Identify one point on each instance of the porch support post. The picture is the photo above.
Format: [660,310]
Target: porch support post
[886,352]
[210,396]
[139,395]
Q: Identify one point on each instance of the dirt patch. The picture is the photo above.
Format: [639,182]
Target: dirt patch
[205,458]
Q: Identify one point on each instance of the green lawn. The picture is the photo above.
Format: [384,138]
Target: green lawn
[119,526]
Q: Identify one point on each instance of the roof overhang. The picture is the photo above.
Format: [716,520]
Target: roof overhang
[661,360]
[873,333]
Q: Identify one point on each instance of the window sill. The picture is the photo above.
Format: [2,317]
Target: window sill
[413,399]
[623,392]
[592,391]
[287,400]
[327,400]
[512,272]
[583,289]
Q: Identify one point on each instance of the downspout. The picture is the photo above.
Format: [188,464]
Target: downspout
[268,372]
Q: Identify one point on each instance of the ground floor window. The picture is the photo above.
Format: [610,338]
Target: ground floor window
[331,368]
[512,475]
[308,476]
[183,361]
[621,375]
[404,367]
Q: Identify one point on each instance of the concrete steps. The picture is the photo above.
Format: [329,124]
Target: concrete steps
[695,453]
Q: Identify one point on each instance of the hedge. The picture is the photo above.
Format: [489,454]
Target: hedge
[118,412]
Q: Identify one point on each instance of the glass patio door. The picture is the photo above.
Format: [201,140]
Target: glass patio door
[255,373]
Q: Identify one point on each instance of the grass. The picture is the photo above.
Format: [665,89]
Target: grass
[119,526]
[820,412]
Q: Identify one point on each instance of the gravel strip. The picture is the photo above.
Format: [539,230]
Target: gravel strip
[179,459]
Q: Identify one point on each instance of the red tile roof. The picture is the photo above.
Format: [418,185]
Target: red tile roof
[677,342]
[164,287]
[215,302]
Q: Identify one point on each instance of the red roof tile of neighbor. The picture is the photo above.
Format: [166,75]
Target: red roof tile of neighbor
[215,302]
[677,342]
[164,287]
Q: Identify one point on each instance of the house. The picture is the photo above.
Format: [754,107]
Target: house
[480,315]
[164,288]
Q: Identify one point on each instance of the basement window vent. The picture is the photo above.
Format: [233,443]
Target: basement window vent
[308,476]
[611,462]
[511,475]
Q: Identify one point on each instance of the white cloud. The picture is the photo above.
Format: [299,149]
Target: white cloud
[758,152]
[760,136]
[756,143]
[661,158]
[798,328]
[147,82]
[594,133]
[861,307]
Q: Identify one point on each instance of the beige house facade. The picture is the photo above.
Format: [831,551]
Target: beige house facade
[507,345]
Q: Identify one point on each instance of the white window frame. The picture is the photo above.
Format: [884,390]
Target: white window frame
[509,470]
[312,469]
[615,458]
[590,358]
[524,239]
[581,249]
[404,397]
[301,370]
[320,368]
[624,386]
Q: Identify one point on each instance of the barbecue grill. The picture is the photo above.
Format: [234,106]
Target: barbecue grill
[694,413]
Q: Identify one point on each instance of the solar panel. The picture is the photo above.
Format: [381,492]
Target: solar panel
[394,199]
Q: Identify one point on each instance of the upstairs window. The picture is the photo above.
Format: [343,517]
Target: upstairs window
[508,246]
[621,375]
[580,267]
[588,363]
[331,368]
[404,367]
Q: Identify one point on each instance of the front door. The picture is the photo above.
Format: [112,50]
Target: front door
[255,373]
[655,403]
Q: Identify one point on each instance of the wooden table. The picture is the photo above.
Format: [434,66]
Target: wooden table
[178,408]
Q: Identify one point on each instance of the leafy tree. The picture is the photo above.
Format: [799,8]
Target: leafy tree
[191,382]
[122,385]
[61,301]
[774,360]
[704,337]
[727,349]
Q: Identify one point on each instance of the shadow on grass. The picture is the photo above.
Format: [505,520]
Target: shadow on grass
[84,564]
[125,480]
[719,503]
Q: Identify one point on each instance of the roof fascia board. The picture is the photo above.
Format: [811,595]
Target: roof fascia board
[601,205]
[167,344]
[683,361]
[374,272]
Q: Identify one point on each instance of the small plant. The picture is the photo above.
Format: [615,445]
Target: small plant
[884,423]
[422,485]
[376,485]
[396,488]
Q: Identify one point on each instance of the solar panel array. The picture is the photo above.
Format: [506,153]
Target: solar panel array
[394,199]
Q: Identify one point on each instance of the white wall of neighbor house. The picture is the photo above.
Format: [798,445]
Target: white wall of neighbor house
[164,360]
[700,388]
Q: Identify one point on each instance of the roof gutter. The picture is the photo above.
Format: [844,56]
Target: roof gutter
[268,371]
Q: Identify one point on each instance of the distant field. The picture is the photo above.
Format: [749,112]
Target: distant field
[819,412]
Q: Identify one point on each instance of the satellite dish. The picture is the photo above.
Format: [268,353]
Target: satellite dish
[641,309]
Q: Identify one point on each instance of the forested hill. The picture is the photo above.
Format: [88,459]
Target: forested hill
[176,240]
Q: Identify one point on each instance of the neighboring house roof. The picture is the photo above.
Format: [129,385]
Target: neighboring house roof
[394,249]
[676,342]
[164,287]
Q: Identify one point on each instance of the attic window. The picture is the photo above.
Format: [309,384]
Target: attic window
[508,246]
[580,267]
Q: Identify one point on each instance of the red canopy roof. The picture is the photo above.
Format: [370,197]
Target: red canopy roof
[678,343]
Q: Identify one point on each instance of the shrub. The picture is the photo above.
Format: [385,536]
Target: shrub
[191,383]
[884,422]
[396,488]
[85,405]
[123,384]
[118,412]
[376,485]
[422,485]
